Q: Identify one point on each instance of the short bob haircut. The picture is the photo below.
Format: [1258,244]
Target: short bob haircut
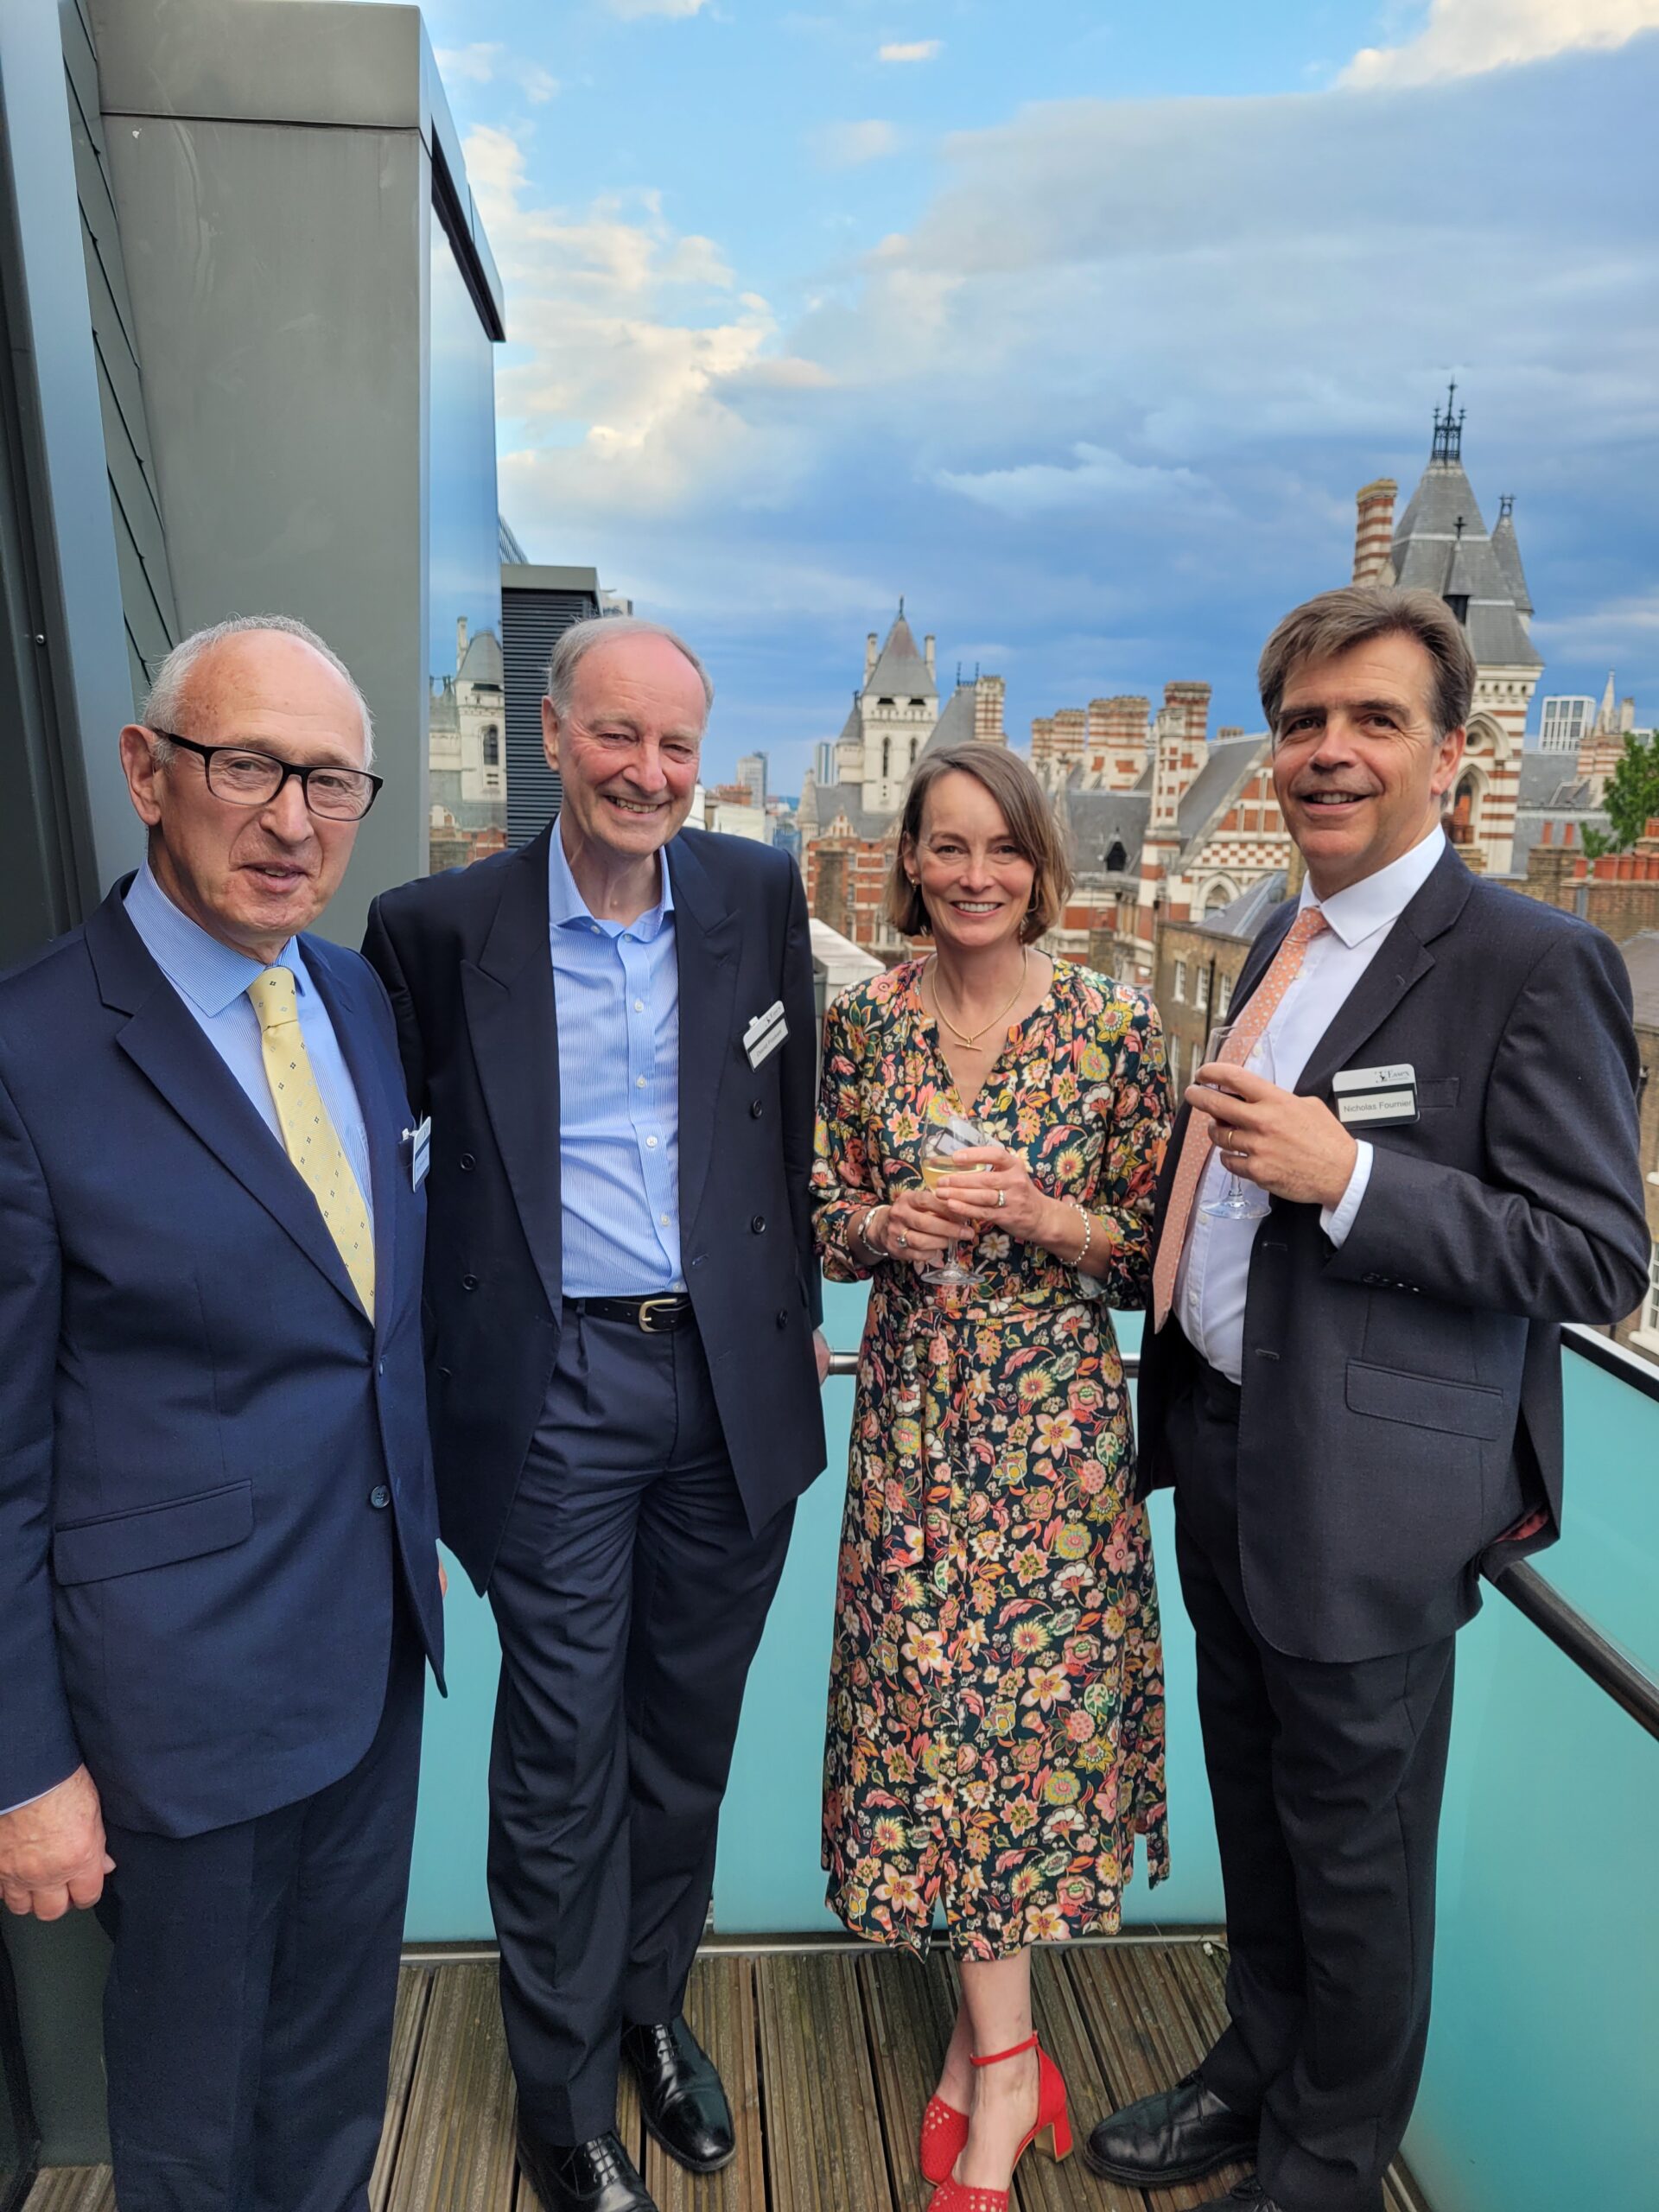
[1337,620]
[1032,824]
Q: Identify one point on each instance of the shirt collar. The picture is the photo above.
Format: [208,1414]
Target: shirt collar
[210,975]
[567,909]
[1377,901]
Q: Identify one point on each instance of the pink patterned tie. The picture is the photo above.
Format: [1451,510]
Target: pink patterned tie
[1199,1139]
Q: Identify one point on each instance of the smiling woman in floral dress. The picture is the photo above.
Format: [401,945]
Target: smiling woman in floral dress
[995,1732]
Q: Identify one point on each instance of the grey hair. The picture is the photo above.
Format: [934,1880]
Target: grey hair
[579,640]
[165,695]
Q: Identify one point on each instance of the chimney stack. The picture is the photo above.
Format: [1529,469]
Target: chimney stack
[1117,742]
[1374,532]
[988,694]
[460,641]
[870,651]
[927,654]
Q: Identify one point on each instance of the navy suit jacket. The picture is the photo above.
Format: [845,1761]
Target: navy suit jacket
[197,1584]
[467,959]
[1402,1396]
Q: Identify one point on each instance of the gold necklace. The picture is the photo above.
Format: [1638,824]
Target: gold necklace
[963,1036]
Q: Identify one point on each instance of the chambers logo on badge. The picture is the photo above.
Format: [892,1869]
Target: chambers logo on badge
[1376,1095]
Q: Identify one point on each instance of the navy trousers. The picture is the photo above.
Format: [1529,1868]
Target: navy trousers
[1327,1782]
[629,1593]
[247,2017]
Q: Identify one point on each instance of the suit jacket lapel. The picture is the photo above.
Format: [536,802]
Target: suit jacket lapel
[379,1085]
[164,1039]
[511,1016]
[706,943]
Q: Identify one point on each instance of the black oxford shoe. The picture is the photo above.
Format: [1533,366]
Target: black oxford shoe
[1246,2195]
[596,2176]
[680,2095]
[1178,2135]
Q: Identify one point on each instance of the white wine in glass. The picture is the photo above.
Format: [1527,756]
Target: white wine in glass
[1241,1201]
[937,1162]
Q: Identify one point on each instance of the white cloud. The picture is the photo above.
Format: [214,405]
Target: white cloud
[845,145]
[919,49]
[1098,479]
[630,341]
[1626,629]
[489,63]
[1464,36]
[631,10]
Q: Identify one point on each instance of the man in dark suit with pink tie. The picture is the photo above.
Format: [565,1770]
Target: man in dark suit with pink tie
[1357,1392]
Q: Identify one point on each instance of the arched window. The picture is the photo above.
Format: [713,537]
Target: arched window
[1460,823]
[492,746]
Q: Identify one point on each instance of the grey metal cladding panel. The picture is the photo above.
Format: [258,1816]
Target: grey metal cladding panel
[148,633]
[260,61]
[136,520]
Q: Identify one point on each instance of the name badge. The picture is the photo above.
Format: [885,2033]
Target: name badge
[1376,1095]
[419,1141]
[766,1034]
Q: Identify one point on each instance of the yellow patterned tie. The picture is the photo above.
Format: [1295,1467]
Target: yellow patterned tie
[309,1137]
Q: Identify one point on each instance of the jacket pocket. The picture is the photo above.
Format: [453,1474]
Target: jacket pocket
[1426,1401]
[153,1535]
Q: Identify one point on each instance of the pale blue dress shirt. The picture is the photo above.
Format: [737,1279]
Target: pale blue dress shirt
[213,981]
[617,994]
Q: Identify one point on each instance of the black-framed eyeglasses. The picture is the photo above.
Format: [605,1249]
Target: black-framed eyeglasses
[243,777]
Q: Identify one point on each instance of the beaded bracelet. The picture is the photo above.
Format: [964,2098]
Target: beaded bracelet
[1088,1236]
[861,1229]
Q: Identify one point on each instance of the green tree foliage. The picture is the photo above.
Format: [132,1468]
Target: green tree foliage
[1633,796]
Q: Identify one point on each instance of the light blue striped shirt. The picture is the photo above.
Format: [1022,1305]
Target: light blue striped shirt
[617,991]
[212,980]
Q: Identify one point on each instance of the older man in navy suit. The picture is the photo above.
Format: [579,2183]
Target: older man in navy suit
[218,1555]
[613,1030]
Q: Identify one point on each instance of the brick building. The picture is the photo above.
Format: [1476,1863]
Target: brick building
[1198,962]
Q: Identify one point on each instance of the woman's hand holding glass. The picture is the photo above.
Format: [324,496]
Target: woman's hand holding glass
[914,1227]
[995,1191]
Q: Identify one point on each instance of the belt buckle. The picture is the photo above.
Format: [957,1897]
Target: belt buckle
[646,1306]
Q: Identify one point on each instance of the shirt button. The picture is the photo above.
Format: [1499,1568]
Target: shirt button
[379,1498]
[759,1224]
[639,1006]
[664,1219]
[639,1083]
[651,1144]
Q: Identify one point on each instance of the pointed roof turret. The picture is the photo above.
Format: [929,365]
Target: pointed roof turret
[1442,544]
[900,673]
[1508,550]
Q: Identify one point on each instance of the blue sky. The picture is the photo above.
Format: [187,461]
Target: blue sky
[1080,325]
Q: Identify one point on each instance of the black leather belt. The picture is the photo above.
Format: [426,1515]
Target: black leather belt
[654,1315]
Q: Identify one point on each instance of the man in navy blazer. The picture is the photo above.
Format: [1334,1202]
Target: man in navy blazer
[218,1534]
[1355,1387]
[613,1031]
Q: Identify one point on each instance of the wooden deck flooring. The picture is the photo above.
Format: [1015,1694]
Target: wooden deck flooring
[827,2056]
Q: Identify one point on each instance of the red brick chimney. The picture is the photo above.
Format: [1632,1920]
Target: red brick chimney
[1374,532]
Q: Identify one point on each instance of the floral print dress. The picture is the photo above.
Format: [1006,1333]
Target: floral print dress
[996,1712]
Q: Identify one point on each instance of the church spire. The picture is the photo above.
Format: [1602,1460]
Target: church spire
[1448,429]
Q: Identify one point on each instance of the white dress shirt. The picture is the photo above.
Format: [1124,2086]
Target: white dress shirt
[1210,1287]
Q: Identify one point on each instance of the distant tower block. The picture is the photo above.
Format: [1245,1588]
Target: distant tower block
[1118,735]
[1374,532]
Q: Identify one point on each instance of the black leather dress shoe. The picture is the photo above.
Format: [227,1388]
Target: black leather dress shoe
[1176,2136]
[596,2176]
[1246,2195]
[680,2095]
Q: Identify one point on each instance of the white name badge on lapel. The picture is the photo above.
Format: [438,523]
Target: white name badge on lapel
[419,1141]
[1377,1095]
[766,1034]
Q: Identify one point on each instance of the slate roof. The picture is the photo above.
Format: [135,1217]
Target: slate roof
[955,725]
[1228,767]
[870,823]
[1244,916]
[1430,555]
[1095,821]
[1507,548]
[482,663]
[900,673]
[1551,791]
[1642,958]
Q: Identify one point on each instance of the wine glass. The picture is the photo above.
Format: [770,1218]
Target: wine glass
[1241,1201]
[938,1161]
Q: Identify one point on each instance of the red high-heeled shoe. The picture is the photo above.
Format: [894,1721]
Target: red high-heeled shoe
[944,2131]
[1052,2131]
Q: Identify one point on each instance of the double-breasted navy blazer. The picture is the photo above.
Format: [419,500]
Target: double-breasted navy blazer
[1402,1396]
[467,959]
[213,1469]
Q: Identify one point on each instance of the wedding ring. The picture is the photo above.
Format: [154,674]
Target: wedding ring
[1002,1197]
[900,1238]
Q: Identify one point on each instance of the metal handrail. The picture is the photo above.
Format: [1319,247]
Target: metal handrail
[1611,1668]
